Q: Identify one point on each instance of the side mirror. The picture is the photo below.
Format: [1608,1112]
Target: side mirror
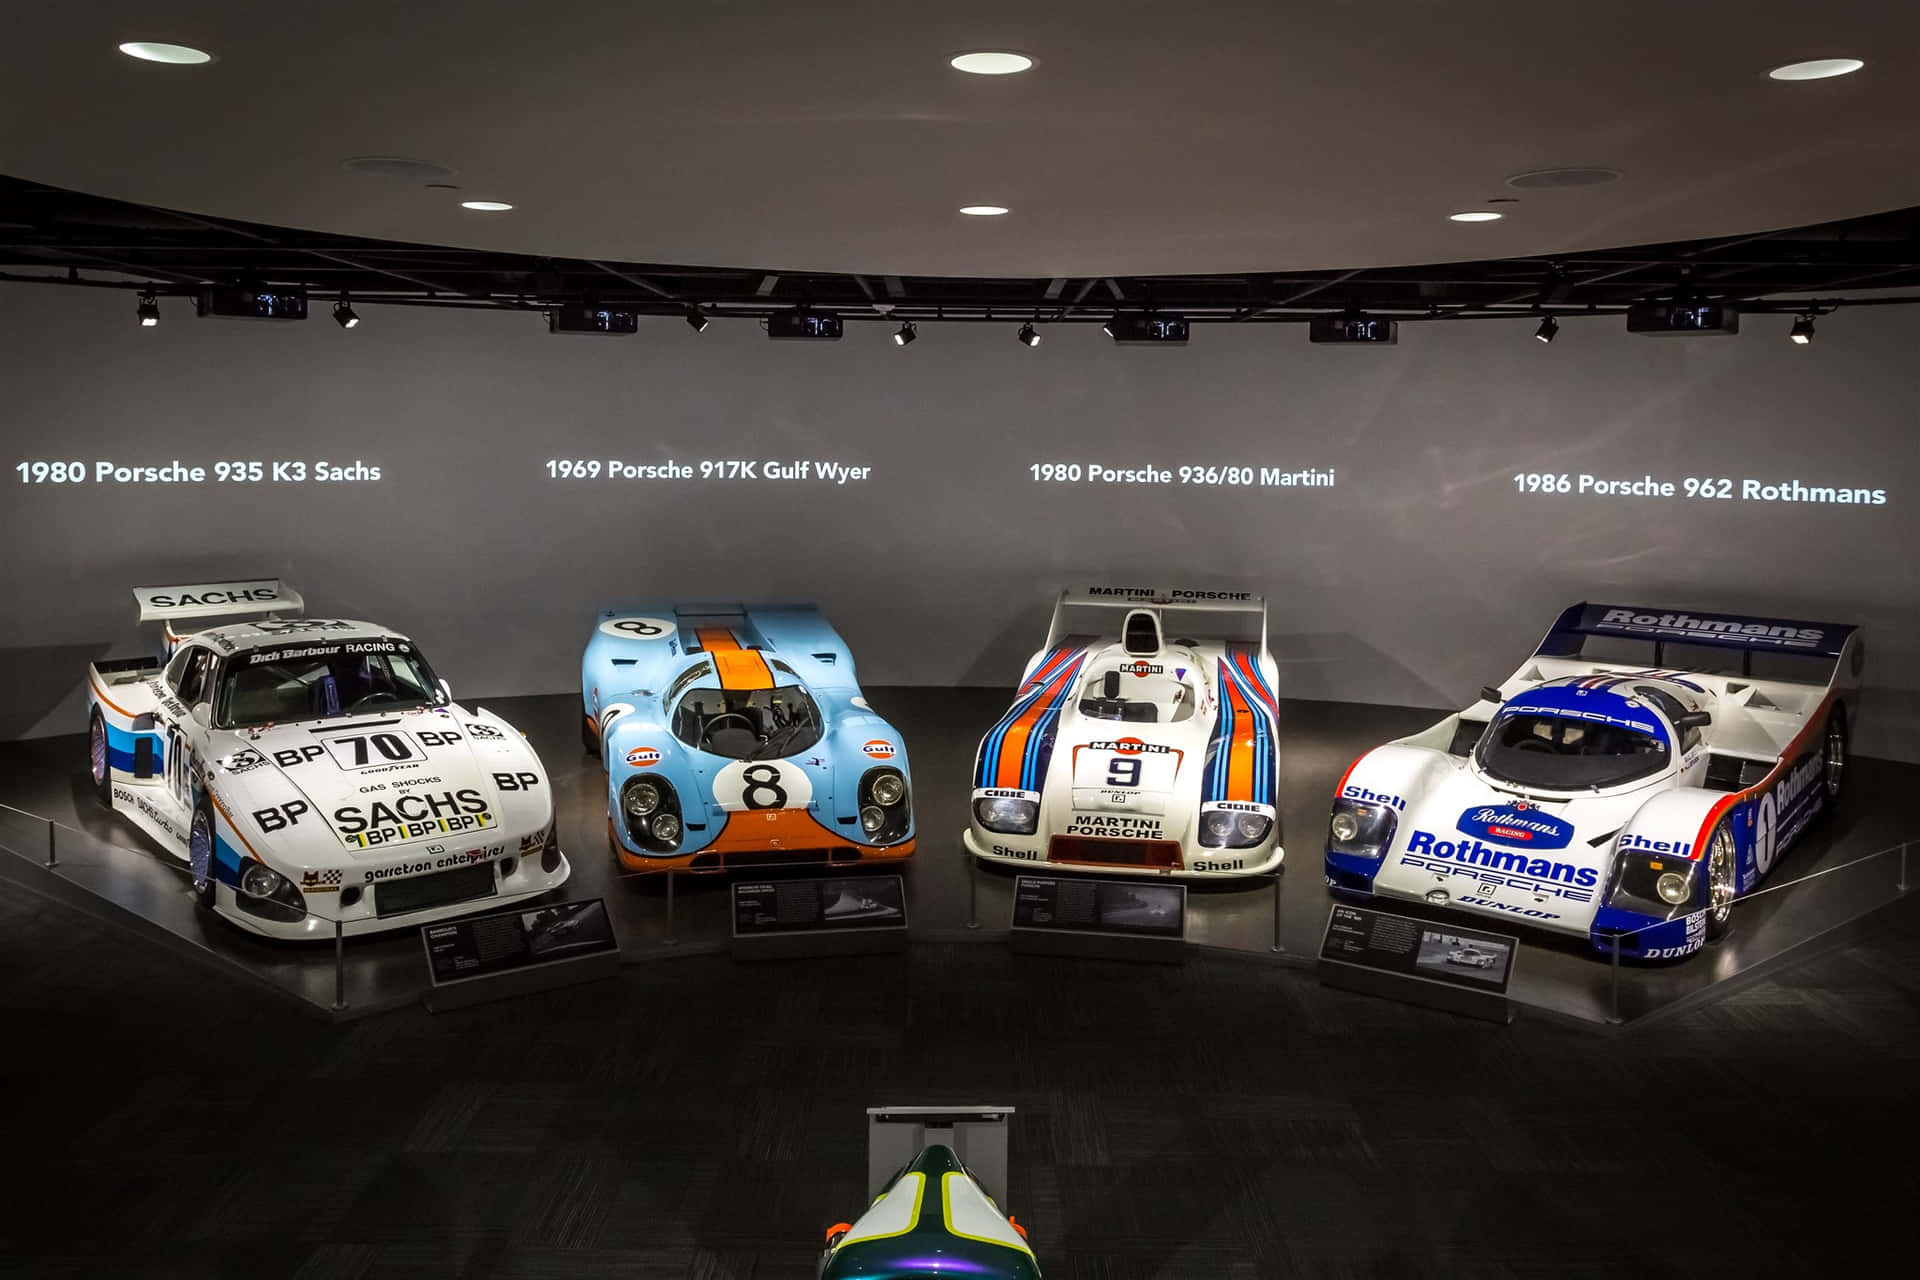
[1692,720]
[203,714]
[1491,693]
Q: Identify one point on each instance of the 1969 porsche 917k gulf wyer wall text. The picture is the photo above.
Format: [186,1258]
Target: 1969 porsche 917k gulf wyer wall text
[313,771]
[933,1219]
[735,736]
[1637,775]
[1143,737]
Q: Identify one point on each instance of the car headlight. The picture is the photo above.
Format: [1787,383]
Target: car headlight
[872,818]
[260,880]
[665,828]
[1672,887]
[1007,814]
[1233,828]
[1360,829]
[1217,827]
[1251,828]
[889,789]
[640,798]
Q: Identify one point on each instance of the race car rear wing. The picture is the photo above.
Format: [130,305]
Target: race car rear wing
[1670,633]
[254,597]
[1227,616]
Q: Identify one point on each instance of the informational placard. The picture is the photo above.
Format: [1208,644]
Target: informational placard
[1422,961]
[763,907]
[1125,908]
[460,951]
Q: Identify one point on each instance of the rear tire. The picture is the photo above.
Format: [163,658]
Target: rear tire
[1720,865]
[589,740]
[200,854]
[99,760]
[1833,766]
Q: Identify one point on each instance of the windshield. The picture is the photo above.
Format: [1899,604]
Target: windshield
[1137,692]
[319,681]
[1563,754]
[748,724]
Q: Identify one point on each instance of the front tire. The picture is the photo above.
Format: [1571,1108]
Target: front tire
[1833,751]
[99,760]
[200,854]
[1721,882]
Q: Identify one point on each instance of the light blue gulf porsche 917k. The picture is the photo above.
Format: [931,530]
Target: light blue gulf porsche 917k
[736,736]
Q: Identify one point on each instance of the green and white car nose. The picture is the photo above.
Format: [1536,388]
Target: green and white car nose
[933,1220]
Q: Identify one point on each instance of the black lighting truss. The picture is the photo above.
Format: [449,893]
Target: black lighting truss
[52,236]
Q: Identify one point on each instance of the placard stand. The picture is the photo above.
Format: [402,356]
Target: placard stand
[1142,920]
[517,952]
[1440,965]
[836,916]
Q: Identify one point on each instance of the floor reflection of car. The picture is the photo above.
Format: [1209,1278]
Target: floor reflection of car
[1472,957]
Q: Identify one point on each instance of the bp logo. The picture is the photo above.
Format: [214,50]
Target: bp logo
[880,749]
[643,756]
[1520,825]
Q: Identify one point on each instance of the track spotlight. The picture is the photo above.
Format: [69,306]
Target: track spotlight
[1549,327]
[1802,332]
[904,334]
[343,313]
[1030,335]
[696,319]
[149,310]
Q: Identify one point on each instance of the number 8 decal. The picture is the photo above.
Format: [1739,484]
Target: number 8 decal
[763,789]
[762,785]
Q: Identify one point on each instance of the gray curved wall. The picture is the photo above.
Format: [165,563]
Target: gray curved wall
[1420,575]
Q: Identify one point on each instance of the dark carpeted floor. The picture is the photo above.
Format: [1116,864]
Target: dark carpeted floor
[702,1118]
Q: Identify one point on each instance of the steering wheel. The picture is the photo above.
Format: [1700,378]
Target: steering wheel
[706,734]
[1536,744]
[378,695]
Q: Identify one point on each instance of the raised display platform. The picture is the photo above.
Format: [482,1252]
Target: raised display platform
[105,866]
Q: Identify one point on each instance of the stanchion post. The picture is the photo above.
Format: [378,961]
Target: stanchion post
[1903,865]
[339,965]
[973,890]
[1276,912]
[1613,983]
[53,849]
[671,940]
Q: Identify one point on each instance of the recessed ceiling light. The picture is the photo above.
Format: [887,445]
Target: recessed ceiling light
[1578,176]
[990,62]
[1817,69]
[153,51]
[486,206]
[982,210]
[1477,215]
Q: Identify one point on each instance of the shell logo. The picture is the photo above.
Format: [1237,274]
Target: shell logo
[644,756]
[1129,746]
[880,749]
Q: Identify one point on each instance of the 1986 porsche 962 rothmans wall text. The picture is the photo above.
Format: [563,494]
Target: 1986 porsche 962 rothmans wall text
[933,1219]
[734,737]
[1143,738]
[313,771]
[1643,770]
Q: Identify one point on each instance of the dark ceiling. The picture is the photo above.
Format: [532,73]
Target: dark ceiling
[61,237]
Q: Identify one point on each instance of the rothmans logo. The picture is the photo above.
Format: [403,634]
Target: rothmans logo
[1521,825]
[1712,626]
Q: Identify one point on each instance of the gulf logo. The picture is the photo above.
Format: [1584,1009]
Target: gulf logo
[880,749]
[643,756]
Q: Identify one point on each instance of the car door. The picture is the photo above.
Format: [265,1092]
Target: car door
[189,678]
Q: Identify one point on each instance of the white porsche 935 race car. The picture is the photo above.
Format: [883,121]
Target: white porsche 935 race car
[313,771]
[1144,738]
[1637,775]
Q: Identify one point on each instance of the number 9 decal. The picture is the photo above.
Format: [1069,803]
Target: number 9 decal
[762,784]
[637,628]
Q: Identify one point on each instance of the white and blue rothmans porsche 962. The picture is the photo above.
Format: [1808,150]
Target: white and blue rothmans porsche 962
[1639,773]
[313,771]
[736,737]
[1144,738]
